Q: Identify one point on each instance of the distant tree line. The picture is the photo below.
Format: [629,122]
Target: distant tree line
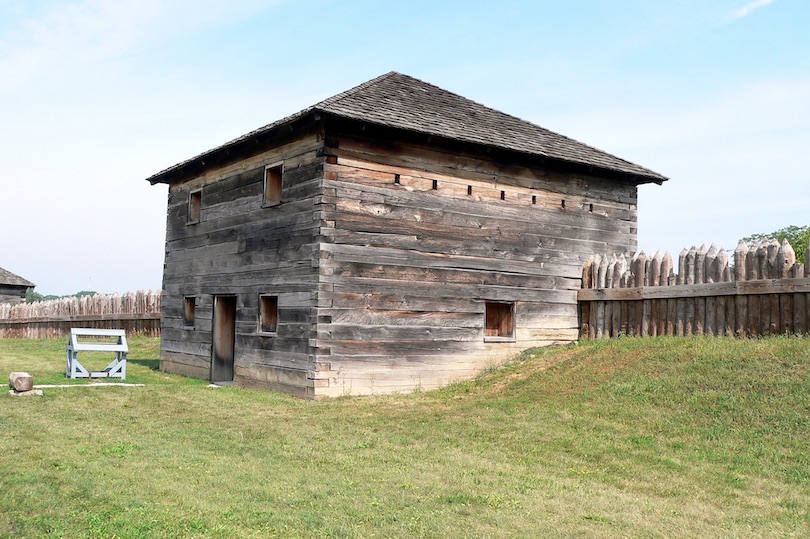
[797,236]
[31,296]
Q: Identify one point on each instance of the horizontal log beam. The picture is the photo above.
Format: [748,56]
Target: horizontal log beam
[736,288]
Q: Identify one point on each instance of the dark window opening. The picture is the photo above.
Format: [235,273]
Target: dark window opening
[194,206]
[189,310]
[503,195]
[469,190]
[396,179]
[272,185]
[534,199]
[268,314]
[435,184]
[500,321]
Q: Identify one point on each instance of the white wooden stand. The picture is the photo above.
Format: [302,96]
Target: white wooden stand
[116,369]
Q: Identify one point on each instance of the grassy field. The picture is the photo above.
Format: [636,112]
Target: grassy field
[660,437]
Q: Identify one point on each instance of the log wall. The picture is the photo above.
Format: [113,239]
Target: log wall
[415,241]
[12,294]
[759,290]
[243,248]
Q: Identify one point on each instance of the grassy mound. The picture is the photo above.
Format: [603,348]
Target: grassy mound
[657,437]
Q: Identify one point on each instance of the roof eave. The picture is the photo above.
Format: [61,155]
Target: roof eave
[255,140]
[234,150]
[575,166]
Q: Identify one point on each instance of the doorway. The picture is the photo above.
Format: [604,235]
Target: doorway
[224,337]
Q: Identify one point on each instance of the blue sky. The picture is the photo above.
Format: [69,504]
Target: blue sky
[95,96]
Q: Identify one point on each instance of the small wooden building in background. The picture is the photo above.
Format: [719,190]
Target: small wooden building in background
[13,287]
[395,236]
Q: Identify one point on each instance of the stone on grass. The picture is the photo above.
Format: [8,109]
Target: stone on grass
[21,381]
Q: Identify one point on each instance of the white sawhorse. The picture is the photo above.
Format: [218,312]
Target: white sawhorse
[116,369]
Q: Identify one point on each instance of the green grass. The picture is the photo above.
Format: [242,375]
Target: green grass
[657,437]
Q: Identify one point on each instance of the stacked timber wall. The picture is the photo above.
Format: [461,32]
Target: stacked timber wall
[415,243]
[242,248]
[764,292]
[138,313]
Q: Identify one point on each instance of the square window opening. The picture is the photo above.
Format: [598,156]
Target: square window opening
[272,184]
[189,310]
[500,321]
[194,207]
[268,314]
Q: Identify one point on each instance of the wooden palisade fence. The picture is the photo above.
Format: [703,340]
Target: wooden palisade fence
[136,312]
[764,292]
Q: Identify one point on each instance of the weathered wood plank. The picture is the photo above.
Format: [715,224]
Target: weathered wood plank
[800,320]
[741,315]
[786,323]
[710,304]
[754,314]
[700,315]
[760,287]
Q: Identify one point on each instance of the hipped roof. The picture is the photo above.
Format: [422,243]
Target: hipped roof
[8,278]
[402,102]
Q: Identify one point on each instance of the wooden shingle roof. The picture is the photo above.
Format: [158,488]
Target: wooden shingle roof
[8,278]
[402,102]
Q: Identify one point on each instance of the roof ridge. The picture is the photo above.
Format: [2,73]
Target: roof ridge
[351,91]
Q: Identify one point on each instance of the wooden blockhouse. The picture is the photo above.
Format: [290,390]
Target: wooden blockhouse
[393,237]
[13,287]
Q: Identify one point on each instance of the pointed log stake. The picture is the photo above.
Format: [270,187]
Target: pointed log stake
[619,270]
[722,270]
[690,266]
[762,261]
[610,269]
[640,269]
[597,259]
[772,265]
[700,264]
[785,259]
[603,266]
[631,281]
[586,272]
[681,278]
[709,264]
[666,268]
[739,260]
[752,263]
[655,270]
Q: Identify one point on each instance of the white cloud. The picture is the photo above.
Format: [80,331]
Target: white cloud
[73,40]
[749,7]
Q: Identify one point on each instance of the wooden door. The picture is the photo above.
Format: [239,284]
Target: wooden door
[224,337]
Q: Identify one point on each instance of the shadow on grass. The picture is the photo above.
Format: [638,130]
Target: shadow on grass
[153,364]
